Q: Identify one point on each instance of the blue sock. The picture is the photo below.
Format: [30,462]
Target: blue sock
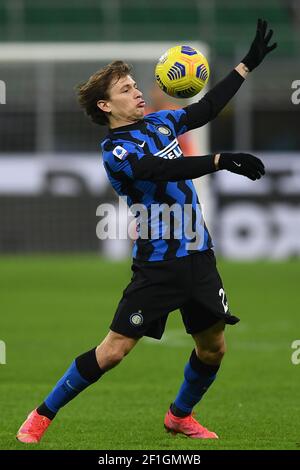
[83,371]
[197,379]
[66,389]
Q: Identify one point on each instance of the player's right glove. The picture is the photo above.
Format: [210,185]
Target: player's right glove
[243,164]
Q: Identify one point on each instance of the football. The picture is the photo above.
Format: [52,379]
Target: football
[182,71]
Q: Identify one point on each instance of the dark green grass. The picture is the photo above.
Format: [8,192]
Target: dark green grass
[54,308]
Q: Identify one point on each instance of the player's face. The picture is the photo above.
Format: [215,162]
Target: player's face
[126,104]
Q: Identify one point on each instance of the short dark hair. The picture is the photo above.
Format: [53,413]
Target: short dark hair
[97,88]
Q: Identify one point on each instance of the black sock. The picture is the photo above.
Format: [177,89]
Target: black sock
[177,411]
[43,410]
[88,366]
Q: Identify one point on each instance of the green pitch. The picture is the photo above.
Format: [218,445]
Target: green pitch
[54,308]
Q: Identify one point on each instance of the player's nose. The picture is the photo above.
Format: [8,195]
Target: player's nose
[139,94]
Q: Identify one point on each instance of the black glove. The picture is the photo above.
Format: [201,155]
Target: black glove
[242,164]
[259,47]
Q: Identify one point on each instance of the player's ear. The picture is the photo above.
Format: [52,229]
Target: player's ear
[104,106]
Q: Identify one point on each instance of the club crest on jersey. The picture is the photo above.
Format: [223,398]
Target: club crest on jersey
[136,319]
[164,130]
[119,152]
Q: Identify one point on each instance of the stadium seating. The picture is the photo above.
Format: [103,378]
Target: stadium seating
[217,22]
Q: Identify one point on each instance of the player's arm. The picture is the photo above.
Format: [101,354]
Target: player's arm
[153,168]
[216,99]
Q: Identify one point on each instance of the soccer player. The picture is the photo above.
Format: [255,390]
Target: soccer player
[144,162]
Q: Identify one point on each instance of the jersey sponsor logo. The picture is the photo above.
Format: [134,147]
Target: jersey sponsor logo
[164,130]
[171,151]
[119,152]
[136,319]
[142,145]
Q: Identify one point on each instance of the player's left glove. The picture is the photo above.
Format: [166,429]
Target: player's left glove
[259,47]
[243,164]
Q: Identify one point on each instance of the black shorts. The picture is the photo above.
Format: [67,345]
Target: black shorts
[191,283]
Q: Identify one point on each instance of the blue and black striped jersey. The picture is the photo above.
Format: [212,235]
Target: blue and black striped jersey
[144,163]
[182,231]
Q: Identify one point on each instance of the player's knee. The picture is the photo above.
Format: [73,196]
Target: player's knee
[113,349]
[111,358]
[218,354]
[115,357]
[213,355]
[109,355]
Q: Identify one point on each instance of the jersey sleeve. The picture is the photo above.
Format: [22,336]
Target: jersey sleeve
[116,158]
[200,113]
[174,118]
[125,162]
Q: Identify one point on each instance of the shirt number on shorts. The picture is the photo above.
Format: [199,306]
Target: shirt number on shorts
[224,300]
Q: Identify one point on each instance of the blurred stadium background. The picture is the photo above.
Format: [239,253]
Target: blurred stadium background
[49,153]
[52,267]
